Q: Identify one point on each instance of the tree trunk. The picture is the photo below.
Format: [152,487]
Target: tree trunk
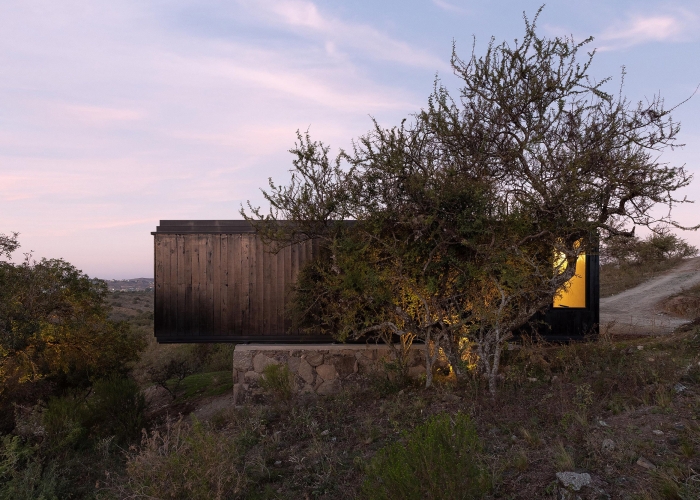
[429,361]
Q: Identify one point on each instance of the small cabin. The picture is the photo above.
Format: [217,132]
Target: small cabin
[215,281]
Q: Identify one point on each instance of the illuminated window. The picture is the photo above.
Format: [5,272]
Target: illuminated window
[573,293]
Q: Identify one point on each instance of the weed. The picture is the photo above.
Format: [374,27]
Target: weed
[520,461]
[277,380]
[532,440]
[185,462]
[439,459]
[562,458]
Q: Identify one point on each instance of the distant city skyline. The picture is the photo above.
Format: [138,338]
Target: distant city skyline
[114,115]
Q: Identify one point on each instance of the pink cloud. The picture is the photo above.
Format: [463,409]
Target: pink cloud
[643,29]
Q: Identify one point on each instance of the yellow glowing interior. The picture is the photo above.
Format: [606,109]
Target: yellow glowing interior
[573,293]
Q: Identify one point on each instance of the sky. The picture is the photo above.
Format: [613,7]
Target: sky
[114,115]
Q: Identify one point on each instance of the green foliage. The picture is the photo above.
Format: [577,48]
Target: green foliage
[278,381]
[114,409]
[55,333]
[185,462]
[204,384]
[437,460]
[660,245]
[457,215]
[24,477]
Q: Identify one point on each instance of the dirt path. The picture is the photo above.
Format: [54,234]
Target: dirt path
[635,311]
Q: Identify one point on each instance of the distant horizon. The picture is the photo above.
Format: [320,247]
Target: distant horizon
[119,114]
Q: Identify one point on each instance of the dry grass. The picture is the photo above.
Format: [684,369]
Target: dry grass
[583,394]
[615,279]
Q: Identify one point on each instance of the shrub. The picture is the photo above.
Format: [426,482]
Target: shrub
[185,462]
[63,421]
[22,476]
[278,381]
[116,409]
[439,459]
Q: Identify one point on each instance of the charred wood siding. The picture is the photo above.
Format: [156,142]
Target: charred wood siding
[215,281]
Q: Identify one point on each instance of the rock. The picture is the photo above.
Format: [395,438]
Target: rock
[658,432]
[260,361]
[314,358]
[251,376]
[643,462]
[608,445]
[531,379]
[328,387]
[679,388]
[242,360]
[345,365]
[327,372]
[574,481]
[370,353]
[306,372]
[602,423]
[293,364]
[416,372]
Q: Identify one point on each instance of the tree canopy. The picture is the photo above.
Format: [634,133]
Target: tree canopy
[458,214]
[55,332]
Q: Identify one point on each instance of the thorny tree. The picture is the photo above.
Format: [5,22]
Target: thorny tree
[458,215]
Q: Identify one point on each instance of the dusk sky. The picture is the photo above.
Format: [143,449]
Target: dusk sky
[116,114]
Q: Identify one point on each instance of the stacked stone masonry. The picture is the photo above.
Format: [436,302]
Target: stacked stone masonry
[320,369]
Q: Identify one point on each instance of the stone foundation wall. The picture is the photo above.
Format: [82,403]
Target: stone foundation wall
[319,369]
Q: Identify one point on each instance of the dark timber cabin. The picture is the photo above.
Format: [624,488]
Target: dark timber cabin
[216,282]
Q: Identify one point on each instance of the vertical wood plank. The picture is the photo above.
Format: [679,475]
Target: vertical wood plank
[244,271]
[235,282]
[169,290]
[216,283]
[260,279]
[225,329]
[286,289]
[173,284]
[189,283]
[181,284]
[158,297]
[253,303]
[268,268]
[196,285]
[207,310]
[279,293]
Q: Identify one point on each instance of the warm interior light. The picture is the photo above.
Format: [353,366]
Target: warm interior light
[573,293]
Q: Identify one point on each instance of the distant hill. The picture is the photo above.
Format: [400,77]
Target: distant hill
[132,285]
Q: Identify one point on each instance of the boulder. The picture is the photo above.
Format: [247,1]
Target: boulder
[345,365]
[242,360]
[327,372]
[260,361]
[328,387]
[574,481]
[314,358]
[306,371]
[293,364]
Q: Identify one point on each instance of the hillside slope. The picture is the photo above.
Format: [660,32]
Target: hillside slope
[637,311]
